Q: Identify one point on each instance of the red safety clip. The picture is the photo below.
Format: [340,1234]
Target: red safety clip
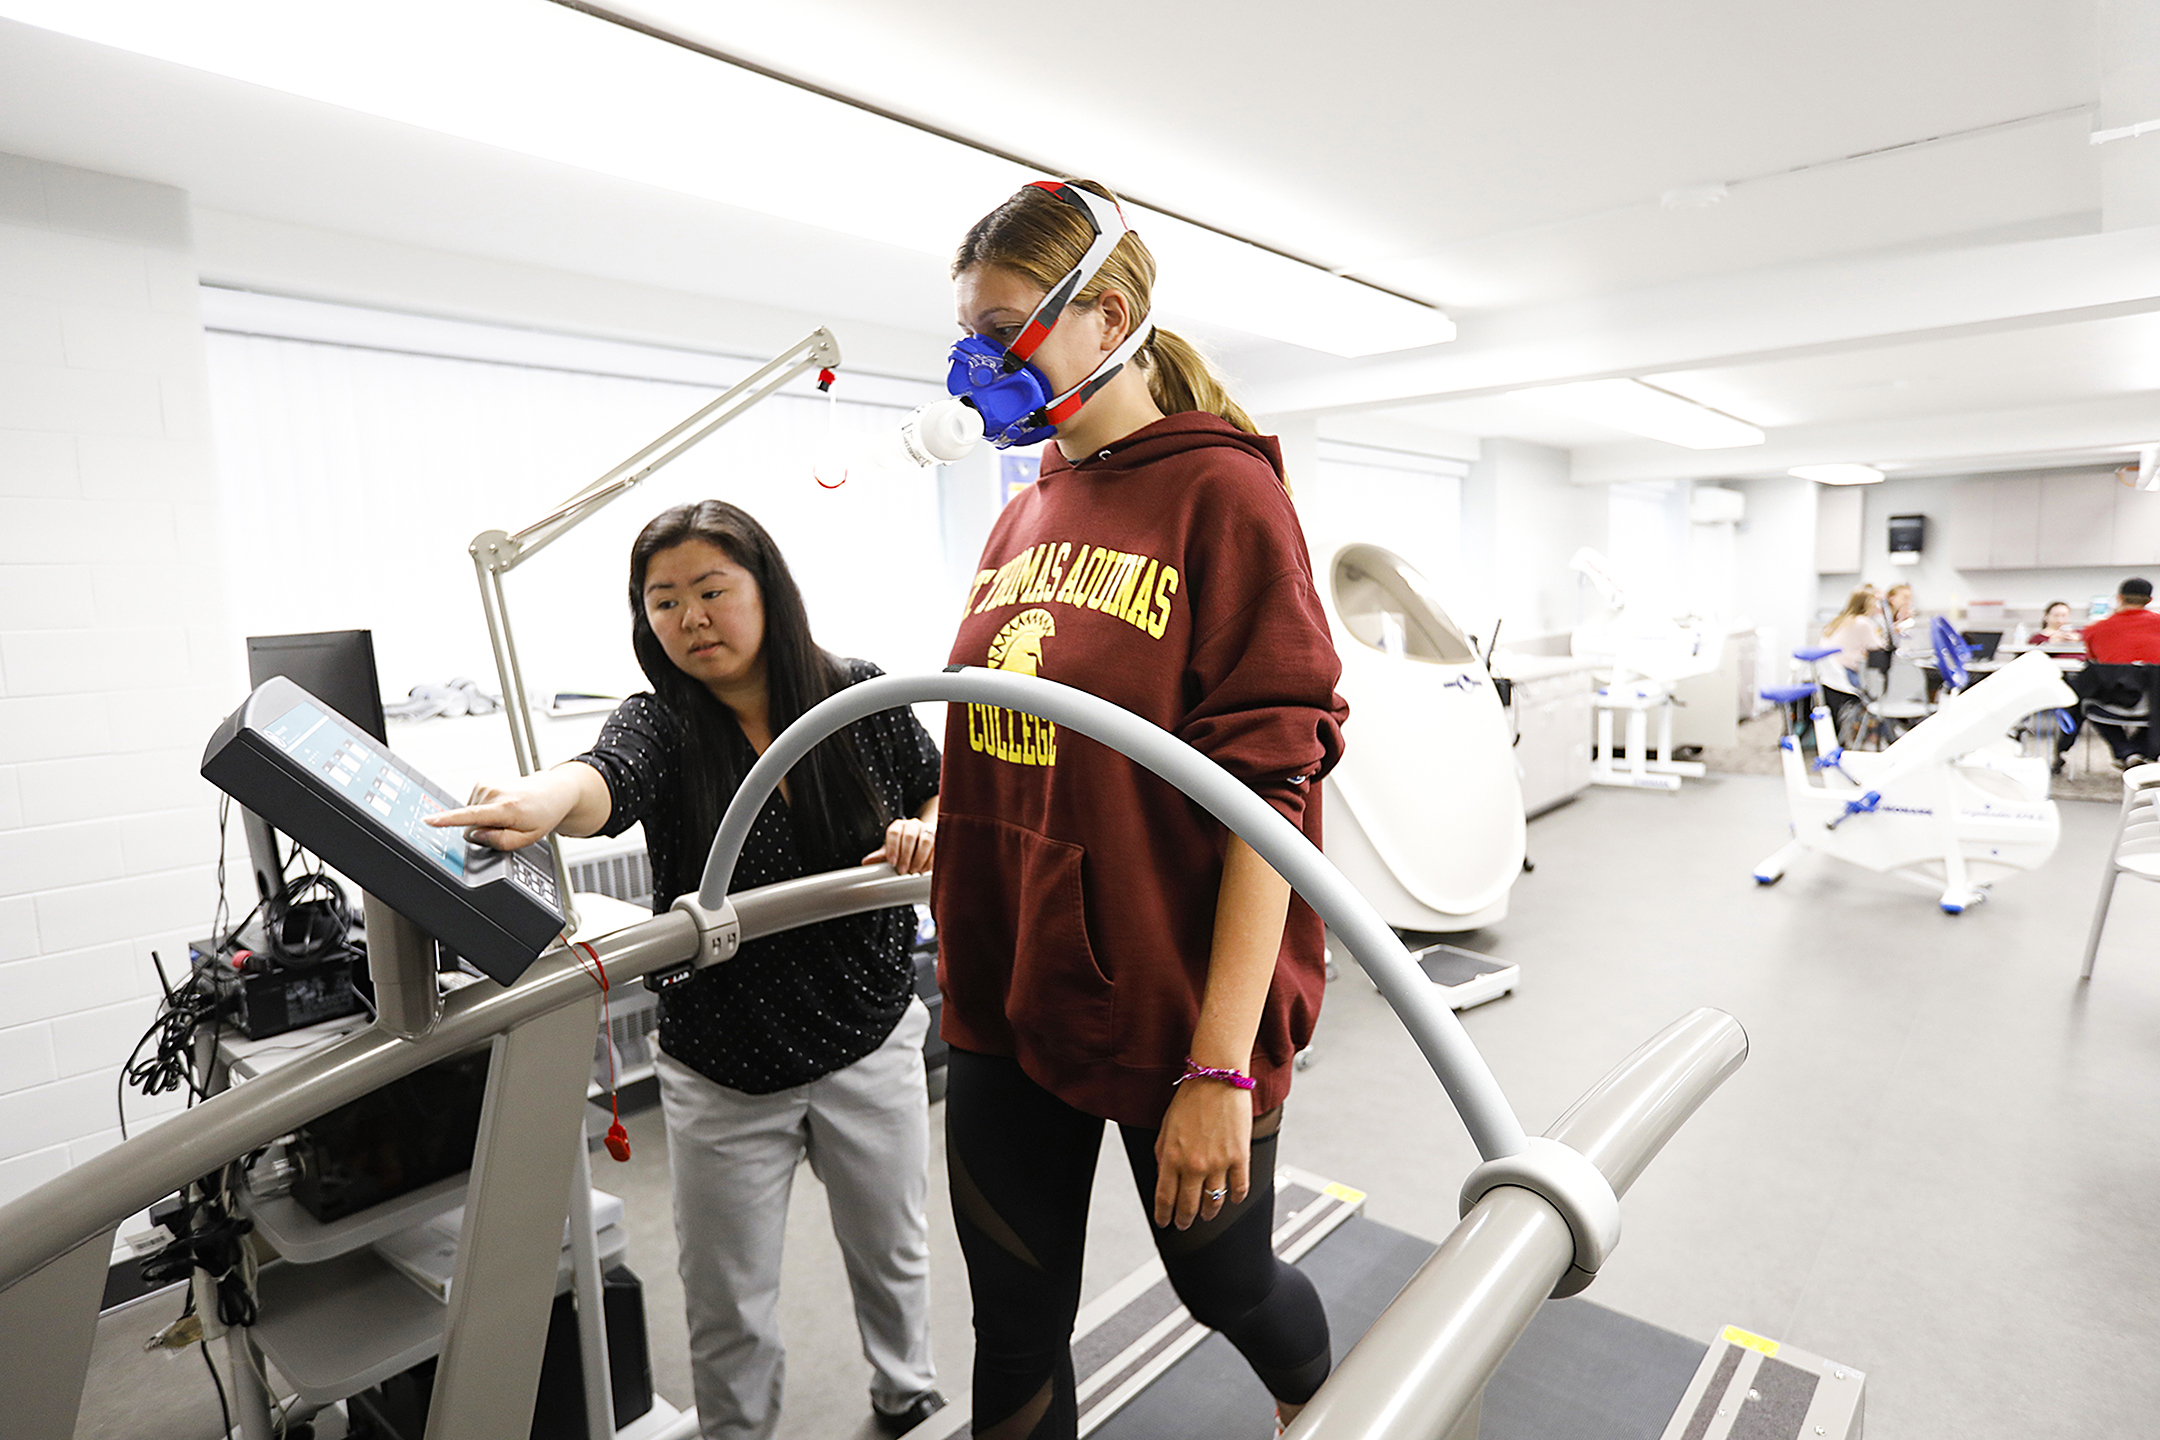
[617,1139]
[825,379]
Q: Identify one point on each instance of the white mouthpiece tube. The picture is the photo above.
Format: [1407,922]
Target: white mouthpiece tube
[941,432]
[937,434]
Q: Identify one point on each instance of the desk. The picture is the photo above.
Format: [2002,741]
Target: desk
[2068,664]
[1551,702]
[1710,706]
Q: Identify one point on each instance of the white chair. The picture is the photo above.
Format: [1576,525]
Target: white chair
[2136,850]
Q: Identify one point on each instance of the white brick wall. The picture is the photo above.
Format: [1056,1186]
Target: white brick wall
[115,660]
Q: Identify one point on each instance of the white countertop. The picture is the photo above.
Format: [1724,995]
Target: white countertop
[1510,666]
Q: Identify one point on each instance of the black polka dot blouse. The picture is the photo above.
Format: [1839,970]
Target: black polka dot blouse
[791,1007]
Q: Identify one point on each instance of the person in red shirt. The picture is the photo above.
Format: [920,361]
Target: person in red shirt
[1107,950]
[2130,636]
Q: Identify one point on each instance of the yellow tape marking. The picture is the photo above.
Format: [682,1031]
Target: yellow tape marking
[1342,1192]
[1736,1336]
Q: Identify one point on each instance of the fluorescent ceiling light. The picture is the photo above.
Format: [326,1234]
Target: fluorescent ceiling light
[1645,410]
[547,81]
[1838,474]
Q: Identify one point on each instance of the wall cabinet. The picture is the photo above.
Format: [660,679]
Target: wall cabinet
[2136,539]
[2077,519]
[1972,524]
[2052,522]
[2014,538]
[1839,522]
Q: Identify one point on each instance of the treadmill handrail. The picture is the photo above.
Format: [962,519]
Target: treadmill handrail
[95,1196]
[1428,1357]
[1462,1071]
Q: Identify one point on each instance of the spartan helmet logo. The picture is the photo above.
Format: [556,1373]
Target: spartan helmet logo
[1018,647]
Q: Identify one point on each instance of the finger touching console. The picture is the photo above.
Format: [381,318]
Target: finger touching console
[340,793]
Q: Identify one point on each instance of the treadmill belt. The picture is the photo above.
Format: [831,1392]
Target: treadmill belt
[1583,1372]
[1580,1372]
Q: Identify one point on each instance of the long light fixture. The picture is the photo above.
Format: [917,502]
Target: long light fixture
[548,81]
[1840,474]
[1645,410]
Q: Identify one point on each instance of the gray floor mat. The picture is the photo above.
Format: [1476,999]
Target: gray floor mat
[1580,1372]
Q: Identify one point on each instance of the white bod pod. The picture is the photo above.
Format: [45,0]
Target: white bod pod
[1424,811]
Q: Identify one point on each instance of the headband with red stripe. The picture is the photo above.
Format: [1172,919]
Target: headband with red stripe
[1108,223]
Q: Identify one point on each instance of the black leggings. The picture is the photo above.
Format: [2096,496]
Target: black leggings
[1022,1165]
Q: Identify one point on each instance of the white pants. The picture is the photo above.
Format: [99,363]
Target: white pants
[866,1130]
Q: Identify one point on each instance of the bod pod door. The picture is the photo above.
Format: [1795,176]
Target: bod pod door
[1424,810]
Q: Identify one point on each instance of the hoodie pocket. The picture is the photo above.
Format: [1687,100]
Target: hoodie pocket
[1013,931]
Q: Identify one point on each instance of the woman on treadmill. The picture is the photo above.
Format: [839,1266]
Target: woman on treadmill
[809,1041]
[1145,967]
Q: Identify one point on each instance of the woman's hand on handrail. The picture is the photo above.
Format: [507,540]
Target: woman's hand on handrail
[909,846]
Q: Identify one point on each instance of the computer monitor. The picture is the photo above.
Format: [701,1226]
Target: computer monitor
[333,665]
[337,666]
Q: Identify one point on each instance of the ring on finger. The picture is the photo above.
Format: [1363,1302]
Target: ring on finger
[1215,1194]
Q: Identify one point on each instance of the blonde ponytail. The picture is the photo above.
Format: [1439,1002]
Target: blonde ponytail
[1182,379]
[1039,236]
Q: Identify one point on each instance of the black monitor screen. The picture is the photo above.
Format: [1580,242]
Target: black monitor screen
[338,666]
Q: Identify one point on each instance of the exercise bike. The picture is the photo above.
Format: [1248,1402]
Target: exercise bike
[1950,805]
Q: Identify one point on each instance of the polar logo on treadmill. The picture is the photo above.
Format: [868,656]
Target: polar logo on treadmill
[1464,681]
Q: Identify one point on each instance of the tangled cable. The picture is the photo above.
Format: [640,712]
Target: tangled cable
[171,1064]
[212,1245]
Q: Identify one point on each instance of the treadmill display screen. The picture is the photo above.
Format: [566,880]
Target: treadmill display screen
[357,770]
[346,796]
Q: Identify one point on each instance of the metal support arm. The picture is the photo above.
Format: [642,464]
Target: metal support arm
[495,553]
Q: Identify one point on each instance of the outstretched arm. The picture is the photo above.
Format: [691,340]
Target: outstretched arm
[570,799]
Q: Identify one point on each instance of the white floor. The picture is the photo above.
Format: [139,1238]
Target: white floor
[1941,1163]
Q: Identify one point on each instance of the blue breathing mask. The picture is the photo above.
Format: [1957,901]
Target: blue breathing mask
[1014,403]
[1017,402]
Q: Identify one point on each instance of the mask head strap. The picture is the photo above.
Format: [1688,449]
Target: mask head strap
[1058,411]
[1108,223]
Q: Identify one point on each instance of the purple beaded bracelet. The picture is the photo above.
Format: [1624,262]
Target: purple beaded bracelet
[1194,1070]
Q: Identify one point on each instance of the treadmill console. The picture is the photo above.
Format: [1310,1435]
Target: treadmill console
[331,786]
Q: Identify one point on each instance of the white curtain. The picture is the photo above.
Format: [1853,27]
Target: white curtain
[353,478]
[1408,504]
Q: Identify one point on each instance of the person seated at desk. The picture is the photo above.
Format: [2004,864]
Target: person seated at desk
[2056,631]
[1855,634]
[2130,636]
[1904,612]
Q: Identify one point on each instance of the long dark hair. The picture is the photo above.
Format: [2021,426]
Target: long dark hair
[838,813]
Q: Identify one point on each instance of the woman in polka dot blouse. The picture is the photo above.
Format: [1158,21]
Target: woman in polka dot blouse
[809,1041]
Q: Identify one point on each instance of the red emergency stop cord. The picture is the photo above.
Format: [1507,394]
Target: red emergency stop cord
[618,1139]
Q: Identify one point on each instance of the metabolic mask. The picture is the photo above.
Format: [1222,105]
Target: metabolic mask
[1015,399]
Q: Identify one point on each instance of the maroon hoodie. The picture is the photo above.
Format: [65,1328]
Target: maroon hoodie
[1075,892]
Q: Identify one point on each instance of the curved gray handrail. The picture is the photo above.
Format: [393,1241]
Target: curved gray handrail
[1427,1359]
[1485,1111]
[95,1196]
